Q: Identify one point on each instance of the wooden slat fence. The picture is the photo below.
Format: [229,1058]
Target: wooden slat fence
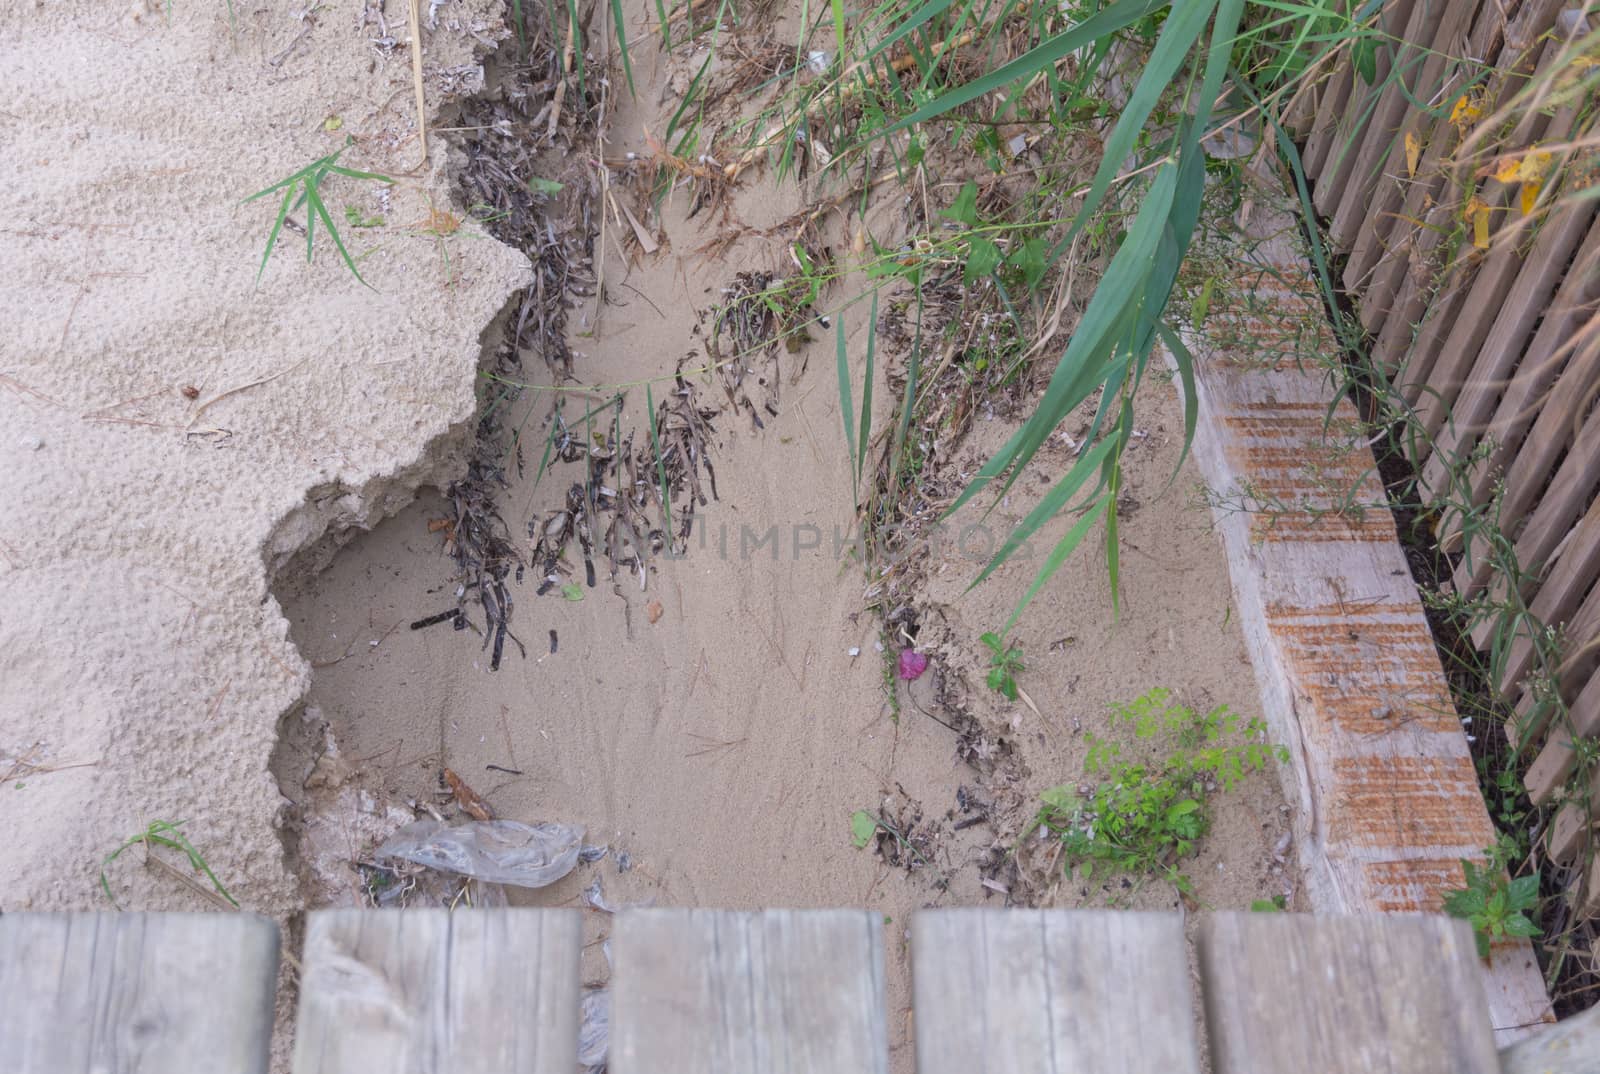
[770,992]
[1481,293]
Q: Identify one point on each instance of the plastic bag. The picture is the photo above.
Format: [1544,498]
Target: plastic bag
[594,1036]
[494,851]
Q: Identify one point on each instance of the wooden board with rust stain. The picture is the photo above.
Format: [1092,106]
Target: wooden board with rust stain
[1386,796]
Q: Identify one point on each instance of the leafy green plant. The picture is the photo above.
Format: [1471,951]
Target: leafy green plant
[307,182]
[163,833]
[1004,663]
[1494,905]
[1147,815]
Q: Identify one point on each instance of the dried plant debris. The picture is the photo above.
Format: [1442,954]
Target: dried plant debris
[761,310]
[623,511]
[537,102]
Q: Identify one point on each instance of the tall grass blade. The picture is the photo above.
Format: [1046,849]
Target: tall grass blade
[622,43]
[846,408]
[1100,25]
[866,388]
[661,466]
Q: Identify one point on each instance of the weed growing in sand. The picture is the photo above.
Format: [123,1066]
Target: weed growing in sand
[1004,663]
[1146,816]
[307,182]
[163,833]
[1492,903]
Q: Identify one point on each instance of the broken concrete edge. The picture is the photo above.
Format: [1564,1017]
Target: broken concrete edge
[1385,795]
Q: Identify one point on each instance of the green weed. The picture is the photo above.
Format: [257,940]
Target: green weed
[1004,663]
[1146,816]
[163,833]
[1494,904]
[307,183]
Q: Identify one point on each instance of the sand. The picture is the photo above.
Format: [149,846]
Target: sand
[143,663]
[722,745]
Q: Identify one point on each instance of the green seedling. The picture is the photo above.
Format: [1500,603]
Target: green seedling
[307,182]
[1004,663]
[1147,815]
[163,833]
[1493,904]
[353,217]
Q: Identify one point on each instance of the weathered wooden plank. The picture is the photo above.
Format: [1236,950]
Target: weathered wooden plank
[1557,760]
[1052,992]
[1330,108]
[1503,344]
[1415,69]
[1344,995]
[1353,127]
[1569,832]
[136,993]
[1462,336]
[1528,474]
[1568,1047]
[1410,271]
[1567,498]
[436,992]
[1553,347]
[758,993]
[1386,801]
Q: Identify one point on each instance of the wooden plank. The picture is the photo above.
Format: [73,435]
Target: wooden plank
[1504,344]
[1385,796]
[1461,347]
[754,993]
[1570,831]
[1541,365]
[1568,1047]
[1559,418]
[1323,128]
[1557,760]
[1408,270]
[436,992]
[1578,658]
[1381,142]
[1557,599]
[1376,219]
[95,993]
[1048,991]
[1343,995]
[1354,123]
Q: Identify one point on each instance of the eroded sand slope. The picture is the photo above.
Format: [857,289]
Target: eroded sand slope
[143,665]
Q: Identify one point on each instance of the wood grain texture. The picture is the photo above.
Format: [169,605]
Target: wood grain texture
[1385,796]
[1407,270]
[436,992]
[1343,995]
[1571,1046]
[718,992]
[1051,992]
[109,993]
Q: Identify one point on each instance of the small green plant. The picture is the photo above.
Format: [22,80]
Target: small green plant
[163,833]
[1275,905]
[307,182]
[1004,663]
[1493,904]
[1145,816]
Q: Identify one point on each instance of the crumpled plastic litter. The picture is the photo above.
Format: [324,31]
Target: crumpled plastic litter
[494,851]
[594,1033]
[587,853]
[597,899]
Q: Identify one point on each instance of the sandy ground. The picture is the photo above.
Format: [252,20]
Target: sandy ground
[724,745]
[143,664]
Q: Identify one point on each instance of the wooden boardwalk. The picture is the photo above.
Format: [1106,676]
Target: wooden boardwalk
[776,992]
